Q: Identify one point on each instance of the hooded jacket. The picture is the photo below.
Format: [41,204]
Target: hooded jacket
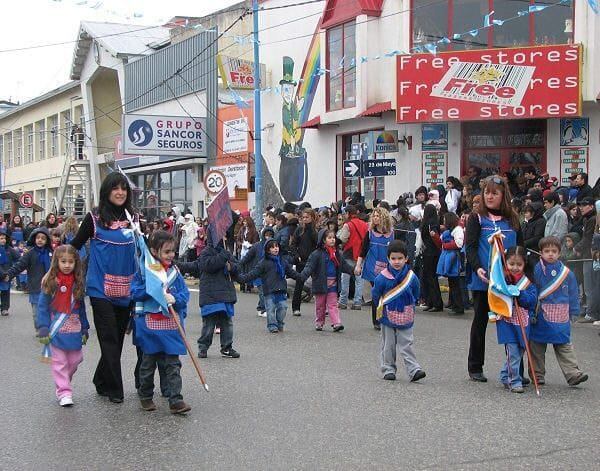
[316,266]
[29,262]
[557,222]
[567,254]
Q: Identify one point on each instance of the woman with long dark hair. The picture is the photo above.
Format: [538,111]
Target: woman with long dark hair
[430,234]
[16,229]
[495,213]
[111,266]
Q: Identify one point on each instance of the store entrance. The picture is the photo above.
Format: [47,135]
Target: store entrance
[504,147]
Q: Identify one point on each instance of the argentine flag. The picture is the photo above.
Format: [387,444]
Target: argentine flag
[500,293]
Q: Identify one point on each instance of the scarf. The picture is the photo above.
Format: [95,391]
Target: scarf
[63,297]
[43,257]
[278,265]
[331,251]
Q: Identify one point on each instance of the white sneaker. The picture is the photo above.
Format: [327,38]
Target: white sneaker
[66,401]
[596,323]
[261,313]
[217,330]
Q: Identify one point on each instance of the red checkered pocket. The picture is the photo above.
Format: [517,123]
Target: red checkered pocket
[519,314]
[379,267]
[72,325]
[116,286]
[402,317]
[558,313]
[160,322]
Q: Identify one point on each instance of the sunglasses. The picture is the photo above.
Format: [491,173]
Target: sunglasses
[495,179]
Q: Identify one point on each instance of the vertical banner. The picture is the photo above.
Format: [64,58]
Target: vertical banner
[573,160]
[435,168]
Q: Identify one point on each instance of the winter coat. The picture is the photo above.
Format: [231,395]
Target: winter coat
[533,231]
[283,238]
[557,222]
[304,243]
[585,244]
[216,285]
[29,262]
[266,270]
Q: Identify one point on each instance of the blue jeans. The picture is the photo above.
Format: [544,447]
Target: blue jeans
[510,371]
[345,288]
[261,299]
[276,311]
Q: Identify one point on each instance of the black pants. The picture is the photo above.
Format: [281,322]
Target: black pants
[221,320]
[432,297]
[164,386]
[297,298]
[5,300]
[111,323]
[478,327]
[455,293]
[171,366]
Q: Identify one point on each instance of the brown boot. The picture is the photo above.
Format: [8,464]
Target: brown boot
[179,408]
[148,405]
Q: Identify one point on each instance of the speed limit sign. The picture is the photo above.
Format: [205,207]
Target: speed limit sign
[214,182]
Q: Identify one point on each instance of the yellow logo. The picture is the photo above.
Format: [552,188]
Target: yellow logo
[489,74]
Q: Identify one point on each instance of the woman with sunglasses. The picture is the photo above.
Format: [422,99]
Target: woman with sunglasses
[495,213]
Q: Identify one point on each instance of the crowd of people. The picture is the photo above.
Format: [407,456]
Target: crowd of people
[386,257]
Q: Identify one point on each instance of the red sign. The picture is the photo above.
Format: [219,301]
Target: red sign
[118,147]
[530,82]
[26,200]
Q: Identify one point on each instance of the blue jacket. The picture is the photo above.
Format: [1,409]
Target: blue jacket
[155,333]
[554,312]
[508,330]
[398,315]
[69,335]
[271,280]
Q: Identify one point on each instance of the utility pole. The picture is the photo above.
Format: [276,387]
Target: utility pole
[258,179]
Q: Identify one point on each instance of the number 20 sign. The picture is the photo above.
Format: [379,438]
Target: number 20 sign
[214,182]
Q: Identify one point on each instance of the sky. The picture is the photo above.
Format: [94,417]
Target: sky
[32,72]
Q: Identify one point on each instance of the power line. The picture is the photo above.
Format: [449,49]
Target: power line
[291,5]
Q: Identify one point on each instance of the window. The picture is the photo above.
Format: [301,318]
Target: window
[67,124]
[1,150]
[29,153]
[18,147]
[341,61]
[40,198]
[163,190]
[54,136]
[432,21]
[9,150]
[41,130]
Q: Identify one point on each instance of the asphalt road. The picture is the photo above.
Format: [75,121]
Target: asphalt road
[302,400]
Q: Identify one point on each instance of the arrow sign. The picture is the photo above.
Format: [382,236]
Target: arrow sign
[351,168]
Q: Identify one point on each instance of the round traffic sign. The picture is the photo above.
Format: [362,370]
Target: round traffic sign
[214,182]
[26,200]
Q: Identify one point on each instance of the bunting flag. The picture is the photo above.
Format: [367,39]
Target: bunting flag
[500,293]
[594,6]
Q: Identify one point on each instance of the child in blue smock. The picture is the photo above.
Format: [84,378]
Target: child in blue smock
[508,328]
[156,331]
[558,303]
[8,256]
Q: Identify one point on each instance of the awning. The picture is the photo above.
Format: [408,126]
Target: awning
[376,110]
[312,123]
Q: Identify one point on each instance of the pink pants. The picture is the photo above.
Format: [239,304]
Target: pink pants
[64,365]
[326,303]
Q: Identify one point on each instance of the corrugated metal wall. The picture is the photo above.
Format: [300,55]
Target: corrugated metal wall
[144,78]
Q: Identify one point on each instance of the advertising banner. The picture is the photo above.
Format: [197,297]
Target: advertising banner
[572,160]
[236,176]
[238,73]
[381,142]
[164,135]
[510,83]
[235,135]
[434,168]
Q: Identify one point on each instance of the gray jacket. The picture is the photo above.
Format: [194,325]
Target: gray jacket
[557,222]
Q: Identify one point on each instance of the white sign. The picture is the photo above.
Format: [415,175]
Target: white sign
[236,176]
[235,136]
[164,135]
[214,182]
[26,214]
[573,160]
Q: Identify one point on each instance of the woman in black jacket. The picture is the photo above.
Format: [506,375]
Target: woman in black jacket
[430,234]
[303,243]
[533,231]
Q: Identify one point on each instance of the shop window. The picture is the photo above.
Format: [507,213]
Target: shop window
[432,21]
[341,62]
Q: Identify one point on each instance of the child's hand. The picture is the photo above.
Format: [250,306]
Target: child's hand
[481,273]
[357,270]
[170,298]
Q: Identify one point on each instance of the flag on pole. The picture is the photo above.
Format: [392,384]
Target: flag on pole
[219,217]
[154,276]
[500,293]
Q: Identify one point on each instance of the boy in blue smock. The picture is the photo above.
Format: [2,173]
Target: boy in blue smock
[558,302]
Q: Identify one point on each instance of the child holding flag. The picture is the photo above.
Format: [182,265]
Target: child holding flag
[558,303]
[61,318]
[156,331]
[395,292]
[508,328]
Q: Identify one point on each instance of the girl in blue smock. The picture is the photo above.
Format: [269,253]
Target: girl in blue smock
[373,253]
[450,262]
[111,267]
[16,229]
[495,213]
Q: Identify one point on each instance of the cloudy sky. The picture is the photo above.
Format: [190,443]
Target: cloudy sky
[30,72]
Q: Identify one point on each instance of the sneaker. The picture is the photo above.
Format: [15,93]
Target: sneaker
[148,405]
[582,378]
[541,381]
[217,331]
[202,354]
[229,353]
[356,307]
[261,313]
[517,389]
[297,313]
[376,326]
[389,377]
[420,374]
[585,320]
[525,382]
[179,408]
[338,328]
[4,313]
[274,331]
[478,377]
[65,401]
[342,306]
[596,323]
[319,328]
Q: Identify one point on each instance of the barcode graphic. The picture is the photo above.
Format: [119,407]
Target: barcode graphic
[458,82]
